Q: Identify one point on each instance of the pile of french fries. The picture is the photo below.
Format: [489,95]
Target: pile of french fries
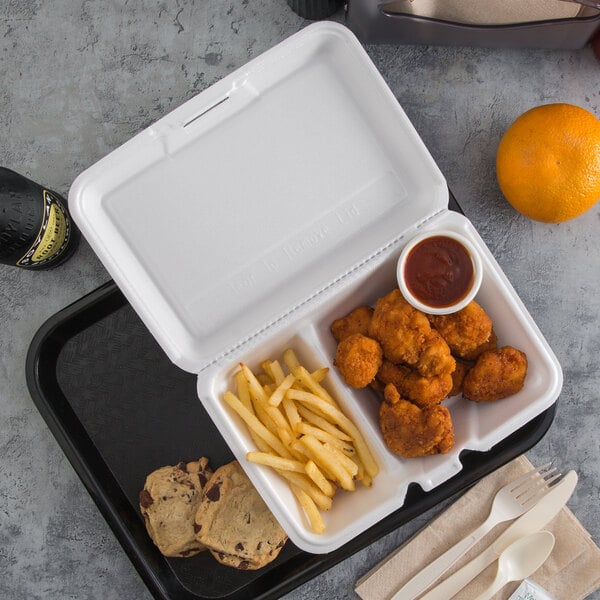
[302,433]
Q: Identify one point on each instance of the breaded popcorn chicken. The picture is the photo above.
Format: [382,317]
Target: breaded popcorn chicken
[358,359]
[406,336]
[399,328]
[458,376]
[435,358]
[411,431]
[491,344]
[496,374]
[423,391]
[418,360]
[467,331]
[356,321]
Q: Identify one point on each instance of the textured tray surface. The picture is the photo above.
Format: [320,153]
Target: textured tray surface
[141,413]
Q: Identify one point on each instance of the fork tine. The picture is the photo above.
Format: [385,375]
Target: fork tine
[533,474]
[536,492]
[541,480]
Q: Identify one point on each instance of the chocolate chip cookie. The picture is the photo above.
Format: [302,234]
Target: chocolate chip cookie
[234,522]
[169,502]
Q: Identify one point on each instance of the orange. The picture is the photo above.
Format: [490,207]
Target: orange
[548,162]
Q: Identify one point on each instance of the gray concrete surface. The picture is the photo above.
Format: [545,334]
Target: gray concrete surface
[78,78]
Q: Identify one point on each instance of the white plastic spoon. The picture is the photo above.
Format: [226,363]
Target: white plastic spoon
[520,560]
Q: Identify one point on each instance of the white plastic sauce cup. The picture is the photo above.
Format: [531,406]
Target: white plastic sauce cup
[464,299]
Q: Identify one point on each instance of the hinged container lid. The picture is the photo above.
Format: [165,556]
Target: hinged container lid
[236,207]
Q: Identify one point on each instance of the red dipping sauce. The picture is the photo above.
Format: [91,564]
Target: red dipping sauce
[439,271]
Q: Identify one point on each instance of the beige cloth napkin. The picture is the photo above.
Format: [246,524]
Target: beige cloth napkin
[571,573]
[487,12]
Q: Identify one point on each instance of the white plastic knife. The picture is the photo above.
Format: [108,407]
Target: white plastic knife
[533,520]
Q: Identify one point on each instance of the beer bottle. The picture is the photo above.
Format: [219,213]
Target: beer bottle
[36,231]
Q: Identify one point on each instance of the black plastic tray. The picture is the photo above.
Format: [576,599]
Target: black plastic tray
[119,409]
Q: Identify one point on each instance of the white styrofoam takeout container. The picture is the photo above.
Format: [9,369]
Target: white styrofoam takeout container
[278,199]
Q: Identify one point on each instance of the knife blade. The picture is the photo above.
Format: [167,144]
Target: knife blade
[533,520]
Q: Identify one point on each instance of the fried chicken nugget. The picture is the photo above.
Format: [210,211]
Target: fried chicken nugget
[406,336]
[399,328]
[435,358]
[356,321]
[411,431]
[496,374]
[358,359]
[423,391]
[491,344]
[458,376]
[468,332]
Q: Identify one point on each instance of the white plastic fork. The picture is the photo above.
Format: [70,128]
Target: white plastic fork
[510,502]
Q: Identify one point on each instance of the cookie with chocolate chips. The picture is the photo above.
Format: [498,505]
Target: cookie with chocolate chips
[235,524]
[168,503]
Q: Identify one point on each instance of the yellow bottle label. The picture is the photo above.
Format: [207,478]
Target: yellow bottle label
[53,236]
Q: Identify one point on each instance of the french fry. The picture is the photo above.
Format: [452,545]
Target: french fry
[263,416]
[268,371]
[314,516]
[301,432]
[289,442]
[291,412]
[360,474]
[277,372]
[255,425]
[269,415]
[323,456]
[261,402]
[285,436]
[291,360]
[277,417]
[260,443]
[282,388]
[304,395]
[319,374]
[350,452]
[305,483]
[299,448]
[264,379]
[321,423]
[319,479]
[254,385]
[322,436]
[338,418]
[347,463]
[314,386]
[244,398]
[277,462]
[242,390]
